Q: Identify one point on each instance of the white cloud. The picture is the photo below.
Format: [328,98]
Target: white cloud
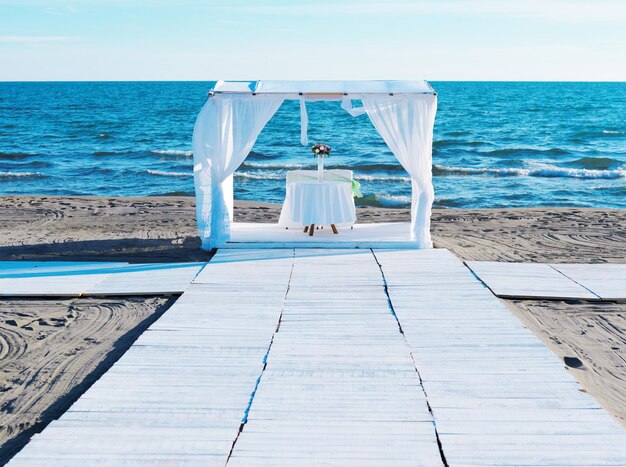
[35,39]
[552,10]
[67,10]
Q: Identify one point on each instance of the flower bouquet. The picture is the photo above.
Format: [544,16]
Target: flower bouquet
[320,150]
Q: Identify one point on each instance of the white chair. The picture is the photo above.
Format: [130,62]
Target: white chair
[285,219]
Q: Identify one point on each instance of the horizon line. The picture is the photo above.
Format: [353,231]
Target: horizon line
[212,80]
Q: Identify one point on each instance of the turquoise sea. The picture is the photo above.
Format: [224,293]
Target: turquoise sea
[497,144]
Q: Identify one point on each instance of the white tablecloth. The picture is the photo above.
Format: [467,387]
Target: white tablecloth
[321,203]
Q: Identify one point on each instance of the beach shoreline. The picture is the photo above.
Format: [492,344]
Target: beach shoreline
[162,229]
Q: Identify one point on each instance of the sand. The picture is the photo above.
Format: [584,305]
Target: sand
[160,229]
[593,333]
[564,235]
[52,350]
[99,229]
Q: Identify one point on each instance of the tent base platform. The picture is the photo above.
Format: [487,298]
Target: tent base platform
[380,235]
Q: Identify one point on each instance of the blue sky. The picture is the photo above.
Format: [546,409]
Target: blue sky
[569,40]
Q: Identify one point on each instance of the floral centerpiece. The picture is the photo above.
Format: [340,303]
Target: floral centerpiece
[321,150]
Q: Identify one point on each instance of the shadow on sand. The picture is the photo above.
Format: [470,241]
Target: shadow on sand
[132,250]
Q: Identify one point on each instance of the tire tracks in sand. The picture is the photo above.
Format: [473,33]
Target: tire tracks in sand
[51,351]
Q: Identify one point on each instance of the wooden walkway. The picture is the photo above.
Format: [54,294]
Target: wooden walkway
[607,281]
[499,396]
[179,394]
[376,235]
[340,386]
[334,357]
[553,281]
[83,279]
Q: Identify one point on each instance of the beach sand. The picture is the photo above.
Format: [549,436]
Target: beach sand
[52,350]
[160,229]
[593,333]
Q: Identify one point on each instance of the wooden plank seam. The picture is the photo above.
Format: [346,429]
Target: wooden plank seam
[582,285]
[535,297]
[244,420]
[484,284]
[442,454]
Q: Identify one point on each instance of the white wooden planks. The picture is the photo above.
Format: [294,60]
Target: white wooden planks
[48,285]
[499,397]
[51,278]
[74,279]
[179,394]
[13,269]
[608,281]
[377,235]
[305,349]
[532,280]
[553,281]
[340,387]
[146,279]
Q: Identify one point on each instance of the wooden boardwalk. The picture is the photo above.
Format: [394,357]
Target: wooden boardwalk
[607,281]
[498,395]
[376,235]
[179,394]
[340,386]
[334,357]
[83,279]
[553,281]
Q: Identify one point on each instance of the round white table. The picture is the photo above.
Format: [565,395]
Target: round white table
[321,203]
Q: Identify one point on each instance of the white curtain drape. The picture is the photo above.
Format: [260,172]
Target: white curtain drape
[304,124]
[346,104]
[406,124]
[225,132]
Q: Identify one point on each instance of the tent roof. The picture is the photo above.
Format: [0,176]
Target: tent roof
[323,87]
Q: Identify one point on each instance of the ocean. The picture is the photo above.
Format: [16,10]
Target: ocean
[497,144]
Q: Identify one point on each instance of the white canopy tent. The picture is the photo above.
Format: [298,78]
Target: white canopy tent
[230,122]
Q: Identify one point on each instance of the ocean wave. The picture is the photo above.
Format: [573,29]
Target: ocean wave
[21,174]
[444,143]
[549,170]
[174,193]
[15,156]
[380,167]
[524,152]
[272,174]
[169,174]
[274,165]
[35,164]
[596,133]
[11,164]
[613,189]
[374,178]
[534,170]
[595,163]
[260,175]
[393,201]
[384,201]
[448,203]
[172,152]
[377,167]
[446,170]
[258,155]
